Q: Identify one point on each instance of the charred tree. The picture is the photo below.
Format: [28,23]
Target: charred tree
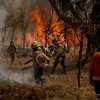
[24,25]
[95,17]
[76,15]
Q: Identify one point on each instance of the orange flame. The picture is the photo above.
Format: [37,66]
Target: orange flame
[38,25]
[38,32]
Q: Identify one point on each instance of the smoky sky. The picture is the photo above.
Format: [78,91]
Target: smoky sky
[6,6]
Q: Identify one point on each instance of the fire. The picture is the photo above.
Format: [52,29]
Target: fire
[30,38]
[73,37]
[58,27]
[18,39]
[40,24]
[40,27]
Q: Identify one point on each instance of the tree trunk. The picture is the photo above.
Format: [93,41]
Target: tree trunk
[3,42]
[79,60]
[13,31]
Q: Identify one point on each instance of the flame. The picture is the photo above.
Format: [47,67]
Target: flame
[39,34]
[18,39]
[73,37]
[38,25]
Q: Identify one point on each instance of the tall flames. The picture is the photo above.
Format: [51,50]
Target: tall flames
[38,25]
[39,29]
[41,24]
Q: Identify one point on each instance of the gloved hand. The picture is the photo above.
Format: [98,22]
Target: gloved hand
[91,80]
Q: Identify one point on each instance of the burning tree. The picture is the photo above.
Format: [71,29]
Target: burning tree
[46,28]
[75,13]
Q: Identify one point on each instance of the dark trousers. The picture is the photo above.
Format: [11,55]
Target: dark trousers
[62,62]
[97,86]
[12,57]
[38,72]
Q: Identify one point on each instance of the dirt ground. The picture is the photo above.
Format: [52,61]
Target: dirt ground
[19,84]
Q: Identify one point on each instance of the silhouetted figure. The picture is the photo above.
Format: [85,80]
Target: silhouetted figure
[12,51]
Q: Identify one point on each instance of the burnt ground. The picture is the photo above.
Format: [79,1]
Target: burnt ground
[19,84]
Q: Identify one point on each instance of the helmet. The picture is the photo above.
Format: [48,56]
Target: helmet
[34,45]
[11,43]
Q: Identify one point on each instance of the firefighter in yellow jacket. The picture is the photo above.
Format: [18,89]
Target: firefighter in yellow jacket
[60,56]
[39,61]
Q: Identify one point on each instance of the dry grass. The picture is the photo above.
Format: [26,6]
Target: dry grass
[56,87]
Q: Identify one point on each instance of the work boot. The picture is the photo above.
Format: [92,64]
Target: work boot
[42,80]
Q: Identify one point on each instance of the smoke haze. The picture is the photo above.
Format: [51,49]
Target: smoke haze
[8,6]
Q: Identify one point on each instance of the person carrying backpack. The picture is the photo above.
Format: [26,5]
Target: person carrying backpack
[39,60]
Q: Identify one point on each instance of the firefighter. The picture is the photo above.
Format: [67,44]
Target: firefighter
[94,72]
[12,51]
[60,56]
[39,61]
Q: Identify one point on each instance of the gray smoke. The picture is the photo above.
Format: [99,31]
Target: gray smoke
[8,6]
[13,75]
[3,15]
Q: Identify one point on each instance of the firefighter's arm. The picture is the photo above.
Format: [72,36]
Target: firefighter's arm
[47,59]
[42,59]
[53,53]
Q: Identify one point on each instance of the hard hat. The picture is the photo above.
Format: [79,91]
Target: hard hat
[34,45]
[11,43]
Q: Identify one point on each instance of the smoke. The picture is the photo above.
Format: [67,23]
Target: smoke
[27,5]
[12,75]
[6,6]
[3,14]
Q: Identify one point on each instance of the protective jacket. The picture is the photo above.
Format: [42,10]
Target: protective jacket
[95,66]
[39,59]
[11,49]
[59,50]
